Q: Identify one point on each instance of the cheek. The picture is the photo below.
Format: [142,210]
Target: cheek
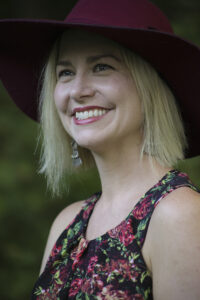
[60,98]
[61,103]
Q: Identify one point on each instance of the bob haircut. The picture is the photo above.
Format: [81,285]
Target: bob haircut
[163,132]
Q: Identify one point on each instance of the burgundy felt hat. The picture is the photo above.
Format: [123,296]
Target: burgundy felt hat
[136,24]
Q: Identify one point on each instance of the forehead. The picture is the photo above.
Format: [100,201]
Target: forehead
[81,42]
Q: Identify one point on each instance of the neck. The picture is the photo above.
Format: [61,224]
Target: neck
[124,174]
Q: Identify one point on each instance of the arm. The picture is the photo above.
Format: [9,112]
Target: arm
[175,246]
[60,223]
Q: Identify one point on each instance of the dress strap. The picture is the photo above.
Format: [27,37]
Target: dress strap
[72,234]
[143,211]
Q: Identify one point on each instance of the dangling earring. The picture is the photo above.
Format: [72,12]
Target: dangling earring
[76,160]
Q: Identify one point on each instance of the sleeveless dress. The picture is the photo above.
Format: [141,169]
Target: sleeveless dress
[110,266]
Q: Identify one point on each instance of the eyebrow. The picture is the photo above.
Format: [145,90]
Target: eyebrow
[90,59]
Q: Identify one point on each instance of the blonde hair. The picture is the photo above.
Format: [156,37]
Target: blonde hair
[163,132]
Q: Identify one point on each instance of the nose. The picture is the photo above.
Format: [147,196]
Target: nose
[82,88]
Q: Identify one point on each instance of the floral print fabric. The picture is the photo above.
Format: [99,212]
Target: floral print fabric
[110,266]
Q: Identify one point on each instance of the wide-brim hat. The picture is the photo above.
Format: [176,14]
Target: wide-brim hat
[136,24]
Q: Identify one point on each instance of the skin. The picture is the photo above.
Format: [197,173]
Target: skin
[172,246]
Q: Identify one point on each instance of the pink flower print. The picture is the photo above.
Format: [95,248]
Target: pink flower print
[181,174]
[88,286]
[99,283]
[143,208]
[47,294]
[75,287]
[124,232]
[120,267]
[78,251]
[138,297]
[56,250]
[92,263]
[88,211]
[63,275]
[108,293]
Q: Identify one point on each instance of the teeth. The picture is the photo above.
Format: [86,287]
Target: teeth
[96,113]
[85,115]
[90,113]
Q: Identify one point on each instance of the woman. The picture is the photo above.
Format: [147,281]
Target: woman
[109,106]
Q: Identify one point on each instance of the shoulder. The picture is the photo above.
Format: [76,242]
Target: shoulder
[179,204]
[174,250]
[179,209]
[176,218]
[64,218]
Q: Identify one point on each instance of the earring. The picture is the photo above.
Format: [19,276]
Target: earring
[76,160]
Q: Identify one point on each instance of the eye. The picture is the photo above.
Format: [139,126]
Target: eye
[102,67]
[64,73]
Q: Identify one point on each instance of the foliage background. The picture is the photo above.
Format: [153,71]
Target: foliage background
[26,207]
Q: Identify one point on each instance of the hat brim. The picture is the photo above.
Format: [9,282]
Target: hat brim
[25,45]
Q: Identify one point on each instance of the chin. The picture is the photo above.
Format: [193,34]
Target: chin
[90,145]
[93,144]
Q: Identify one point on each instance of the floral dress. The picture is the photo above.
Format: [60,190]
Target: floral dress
[110,266]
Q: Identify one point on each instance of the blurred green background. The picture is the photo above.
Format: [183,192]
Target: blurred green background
[26,207]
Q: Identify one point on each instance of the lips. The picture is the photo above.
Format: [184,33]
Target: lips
[88,114]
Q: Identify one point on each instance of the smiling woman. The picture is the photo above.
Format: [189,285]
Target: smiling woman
[90,85]
[103,88]
[114,95]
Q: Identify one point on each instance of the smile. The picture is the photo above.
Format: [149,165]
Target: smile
[89,114]
[83,115]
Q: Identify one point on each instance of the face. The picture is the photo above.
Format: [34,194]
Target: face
[95,95]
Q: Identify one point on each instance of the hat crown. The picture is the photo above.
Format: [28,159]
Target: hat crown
[140,14]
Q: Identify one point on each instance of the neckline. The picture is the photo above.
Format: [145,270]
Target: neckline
[97,196]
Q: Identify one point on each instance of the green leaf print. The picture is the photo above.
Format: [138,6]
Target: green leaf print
[144,275]
[157,188]
[57,274]
[38,291]
[57,262]
[110,277]
[147,293]
[77,227]
[135,255]
[87,297]
[99,239]
[70,233]
[58,281]
[64,248]
[104,252]
[79,296]
[112,243]
[141,227]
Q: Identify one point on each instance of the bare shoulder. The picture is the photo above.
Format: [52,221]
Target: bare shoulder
[177,215]
[182,205]
[180,208]
[175,248]
[64,218]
